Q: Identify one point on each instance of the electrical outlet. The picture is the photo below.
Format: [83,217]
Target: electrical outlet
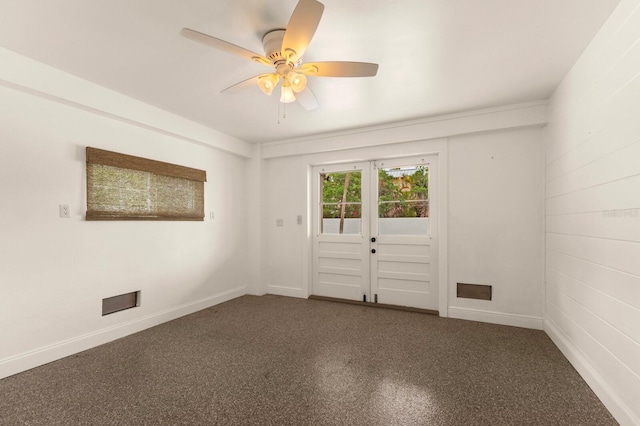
[279,222]
[299,219]
[65,212]
[211,215]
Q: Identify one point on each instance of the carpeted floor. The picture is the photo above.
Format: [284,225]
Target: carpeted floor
[280,361]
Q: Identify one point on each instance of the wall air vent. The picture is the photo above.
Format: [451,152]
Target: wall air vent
[120,303]
[474,291]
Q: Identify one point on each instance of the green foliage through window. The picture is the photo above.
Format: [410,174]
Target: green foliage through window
[341,196]
[403,192]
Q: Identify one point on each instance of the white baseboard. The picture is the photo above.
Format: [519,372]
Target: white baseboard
[37,357]
[623,414]
[501,318]
[285,291]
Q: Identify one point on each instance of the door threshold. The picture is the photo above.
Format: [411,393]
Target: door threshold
[375,305]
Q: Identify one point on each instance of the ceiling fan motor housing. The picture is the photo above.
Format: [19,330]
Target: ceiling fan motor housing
[272,43]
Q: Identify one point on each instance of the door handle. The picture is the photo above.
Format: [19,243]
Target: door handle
[373,251]
[373,239]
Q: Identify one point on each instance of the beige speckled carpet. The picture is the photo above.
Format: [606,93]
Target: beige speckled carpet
[280,361]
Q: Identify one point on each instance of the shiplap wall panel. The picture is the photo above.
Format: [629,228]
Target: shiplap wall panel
[561,310]
[609,168]
[625,130]
[614,38]
[624,99]
[617,284]
[617,195]
[621,255]
[622,227]
[584,124]
[621,40]
[615,88]
[611,87]
[617,315]
[592,157]
[626,350]
[581,107]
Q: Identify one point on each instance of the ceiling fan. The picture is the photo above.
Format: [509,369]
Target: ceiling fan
[283,51]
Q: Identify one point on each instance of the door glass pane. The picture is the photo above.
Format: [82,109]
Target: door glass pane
[341,202]
[403,201]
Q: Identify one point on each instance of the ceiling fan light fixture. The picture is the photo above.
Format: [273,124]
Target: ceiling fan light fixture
[298,81]
[284,49]
[286,94]
[267,83]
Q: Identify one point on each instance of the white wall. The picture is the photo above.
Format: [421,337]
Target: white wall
[593,214]
[494,218]
[496,223]
[284,197]
[252,258]
[55,272]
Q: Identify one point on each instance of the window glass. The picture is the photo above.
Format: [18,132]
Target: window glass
[403,200]
[341,202]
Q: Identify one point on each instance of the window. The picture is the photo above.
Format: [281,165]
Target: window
[403,200]
[124,187]
[341,195]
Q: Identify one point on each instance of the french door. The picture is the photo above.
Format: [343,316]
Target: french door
[375,231]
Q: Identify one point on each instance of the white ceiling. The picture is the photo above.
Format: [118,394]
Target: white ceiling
[435,56]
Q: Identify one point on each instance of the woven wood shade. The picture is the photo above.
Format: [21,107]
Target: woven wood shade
[124,187]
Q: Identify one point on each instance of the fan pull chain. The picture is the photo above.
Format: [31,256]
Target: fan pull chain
[284,111]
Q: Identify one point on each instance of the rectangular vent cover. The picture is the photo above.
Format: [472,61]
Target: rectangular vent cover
[120,303]
[474,291]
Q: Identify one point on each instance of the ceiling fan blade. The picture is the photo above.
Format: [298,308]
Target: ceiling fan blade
[339,69]
[301,28]
[250,82]
[224,46]
[307,99]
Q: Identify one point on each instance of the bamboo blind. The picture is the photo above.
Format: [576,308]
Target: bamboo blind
[124,187]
